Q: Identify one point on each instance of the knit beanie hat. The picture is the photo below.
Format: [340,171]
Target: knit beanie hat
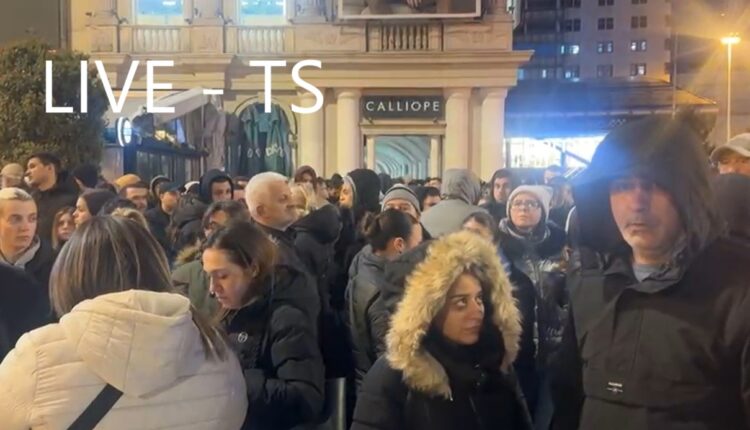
[95,199]
[88,174]
[366,186]
[542,193]
[402,192]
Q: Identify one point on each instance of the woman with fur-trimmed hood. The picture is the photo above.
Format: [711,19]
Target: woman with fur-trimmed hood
[450,348]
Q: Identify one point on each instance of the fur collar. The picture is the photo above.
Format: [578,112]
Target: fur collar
[425,293]
[188,254]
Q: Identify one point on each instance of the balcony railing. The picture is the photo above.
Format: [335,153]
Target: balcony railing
[420,38]
[159,39]
[404,37]
[261,40]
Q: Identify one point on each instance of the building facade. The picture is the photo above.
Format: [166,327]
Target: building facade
[465,65]
[596,39]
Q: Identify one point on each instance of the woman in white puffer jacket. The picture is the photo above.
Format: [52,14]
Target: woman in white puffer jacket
[121,325]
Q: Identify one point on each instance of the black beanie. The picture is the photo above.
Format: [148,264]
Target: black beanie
[367,189]
[88,174]
[95,199]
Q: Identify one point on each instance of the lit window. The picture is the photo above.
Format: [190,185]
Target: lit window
[159,12]
[605,47]
[638,45]
[572,72]
[255,11]
[574,49]
[638,69]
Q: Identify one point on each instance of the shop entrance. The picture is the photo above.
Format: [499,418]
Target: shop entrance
[410,156]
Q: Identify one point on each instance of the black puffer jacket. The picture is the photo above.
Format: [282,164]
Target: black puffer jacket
[315,236]
[23,306]
[425,382]
[540,262]
[314,239]
[669,352]
[733,201]
[278,349]
[367,323]
[64,193]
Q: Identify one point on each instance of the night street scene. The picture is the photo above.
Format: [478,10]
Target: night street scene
[375,215]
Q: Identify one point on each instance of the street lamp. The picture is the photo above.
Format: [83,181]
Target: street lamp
[729,41]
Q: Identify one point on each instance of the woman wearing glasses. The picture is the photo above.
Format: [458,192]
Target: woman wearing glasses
[534,247]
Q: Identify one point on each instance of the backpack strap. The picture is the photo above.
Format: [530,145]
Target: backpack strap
[97,409]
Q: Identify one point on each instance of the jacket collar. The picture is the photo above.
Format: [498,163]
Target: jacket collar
[26,256]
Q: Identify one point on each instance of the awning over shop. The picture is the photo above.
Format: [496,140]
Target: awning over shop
[542,109]
[183,103]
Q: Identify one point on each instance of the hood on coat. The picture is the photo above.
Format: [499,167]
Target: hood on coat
[367,258]
[188,254]
[396,273]
[137,341]
[323,223]
[667,151]
[462,184]
[188,209]
[733,201]
[426,291]
[204,190]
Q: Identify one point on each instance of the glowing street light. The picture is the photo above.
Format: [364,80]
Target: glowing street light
[729,41]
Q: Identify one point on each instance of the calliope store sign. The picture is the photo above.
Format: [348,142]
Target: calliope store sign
[430,107]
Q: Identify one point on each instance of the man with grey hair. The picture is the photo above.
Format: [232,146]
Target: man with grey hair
[20,246]
[269,201]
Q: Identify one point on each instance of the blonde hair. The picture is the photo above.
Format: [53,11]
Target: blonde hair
[12,194]
[68,210]
[114,254]
[133,215]
[306,192]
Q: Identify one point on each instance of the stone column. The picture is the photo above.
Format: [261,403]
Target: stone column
[349,137]
[371,152]
[103,12]
[493,131]
[312,134]
[206,12]
[434,157]
[456,146]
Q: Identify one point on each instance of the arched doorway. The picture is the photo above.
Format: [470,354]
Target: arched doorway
[403,156]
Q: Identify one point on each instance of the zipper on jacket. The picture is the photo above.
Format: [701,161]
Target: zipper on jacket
[476,413]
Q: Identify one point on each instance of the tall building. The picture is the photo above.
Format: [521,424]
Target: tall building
[596,64]
[579,39]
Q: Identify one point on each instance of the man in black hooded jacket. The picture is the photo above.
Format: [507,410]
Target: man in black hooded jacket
[660,334]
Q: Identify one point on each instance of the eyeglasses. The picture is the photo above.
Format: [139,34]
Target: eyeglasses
[525,204]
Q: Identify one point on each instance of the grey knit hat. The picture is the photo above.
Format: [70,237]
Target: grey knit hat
[542,193]
[402,192]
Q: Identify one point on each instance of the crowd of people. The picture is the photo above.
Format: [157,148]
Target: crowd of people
[617,299]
